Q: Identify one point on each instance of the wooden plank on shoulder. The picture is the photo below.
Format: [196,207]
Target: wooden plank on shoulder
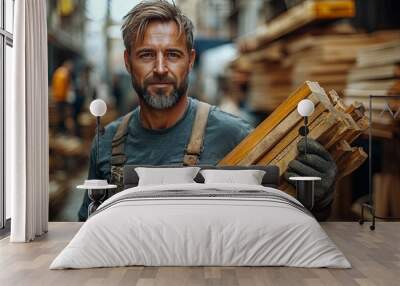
[279,132]
[290,137]
[264,129]
[317,129]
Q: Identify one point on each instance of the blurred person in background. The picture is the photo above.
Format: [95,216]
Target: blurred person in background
[84,91]
[61,86]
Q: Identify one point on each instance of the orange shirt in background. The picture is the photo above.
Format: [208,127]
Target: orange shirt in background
[60,84]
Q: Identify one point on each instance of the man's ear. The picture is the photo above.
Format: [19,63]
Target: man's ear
[192,58]
[127,63]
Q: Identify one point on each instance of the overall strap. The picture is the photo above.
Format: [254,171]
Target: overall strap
[118,157]
[118,143]
[195,146]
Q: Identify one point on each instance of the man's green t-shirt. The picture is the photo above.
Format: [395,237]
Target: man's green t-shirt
[167,146]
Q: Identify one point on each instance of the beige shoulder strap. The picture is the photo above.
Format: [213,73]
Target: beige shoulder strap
[118,143]
[195,146]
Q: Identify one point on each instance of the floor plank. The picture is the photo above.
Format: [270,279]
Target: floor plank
[374,255]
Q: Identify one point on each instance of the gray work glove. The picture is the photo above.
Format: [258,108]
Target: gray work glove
[317,163]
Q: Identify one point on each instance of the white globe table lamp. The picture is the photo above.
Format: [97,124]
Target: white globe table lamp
[97,189]
[98,108]
[305,108]
[305,185]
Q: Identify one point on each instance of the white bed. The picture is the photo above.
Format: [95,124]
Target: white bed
[222,225]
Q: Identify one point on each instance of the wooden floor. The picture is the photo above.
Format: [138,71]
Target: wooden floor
[375,256]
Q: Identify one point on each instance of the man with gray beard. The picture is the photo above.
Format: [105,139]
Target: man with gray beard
[159,56]
[168,127]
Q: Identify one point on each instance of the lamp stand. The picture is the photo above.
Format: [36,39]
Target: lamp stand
[303,131]
[103,194]
[97,144]
[305,134]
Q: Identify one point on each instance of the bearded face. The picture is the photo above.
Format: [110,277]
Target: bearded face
[159,65]
[160,93]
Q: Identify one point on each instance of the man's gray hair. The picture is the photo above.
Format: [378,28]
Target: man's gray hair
[136,21]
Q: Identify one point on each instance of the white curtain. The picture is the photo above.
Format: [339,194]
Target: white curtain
[27,124]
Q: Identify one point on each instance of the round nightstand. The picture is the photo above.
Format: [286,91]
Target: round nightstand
[305,190]
[97,190]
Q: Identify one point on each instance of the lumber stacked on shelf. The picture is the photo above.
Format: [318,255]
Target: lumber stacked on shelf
[269,80]
[329,57]
[279,66]
[333,124]
[297,46]
[380,54]
[325,55]
[269,85]
[325,58]
[297,17]
[377,72]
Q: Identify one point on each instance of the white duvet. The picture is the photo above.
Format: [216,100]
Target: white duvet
[208,230]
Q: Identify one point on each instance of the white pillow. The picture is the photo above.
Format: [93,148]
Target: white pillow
[248,177]
[162,176]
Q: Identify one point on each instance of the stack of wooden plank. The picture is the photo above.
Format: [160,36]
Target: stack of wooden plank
[377,72]
[274,62]
[333,124]
[325,58]
[269,80]
[303,44]
[325,55]
[299,16]
[269,85]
